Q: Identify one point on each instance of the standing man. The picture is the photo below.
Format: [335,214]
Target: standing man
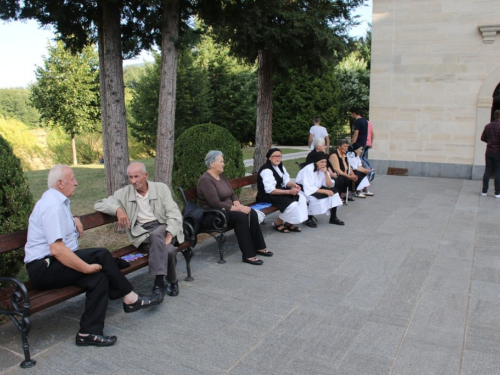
[360,127]
[491,135]
[53,260]
[318,131]
[152,220]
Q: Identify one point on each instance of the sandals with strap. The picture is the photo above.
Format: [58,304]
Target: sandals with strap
[280,228]
[293,228]
[142,302]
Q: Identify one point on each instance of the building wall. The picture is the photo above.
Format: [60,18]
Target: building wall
[428,72]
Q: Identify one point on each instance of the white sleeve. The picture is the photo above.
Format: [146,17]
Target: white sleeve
[308,180]
[268,180]
[286,177]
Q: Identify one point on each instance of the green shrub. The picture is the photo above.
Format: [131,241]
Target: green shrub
[191,148]
[16,204]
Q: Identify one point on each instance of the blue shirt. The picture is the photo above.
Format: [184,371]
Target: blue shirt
[50,221]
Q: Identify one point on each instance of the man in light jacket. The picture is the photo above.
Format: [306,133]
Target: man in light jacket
[152,220]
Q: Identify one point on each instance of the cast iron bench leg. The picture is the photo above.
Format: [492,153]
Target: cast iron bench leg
[188,254]
[20,316]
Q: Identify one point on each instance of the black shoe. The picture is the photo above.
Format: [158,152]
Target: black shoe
[158,294]
[173,289]
[310,223]
[95,340]
[141,303]
[265,253]
[350,199]
[256,262]
[337,221]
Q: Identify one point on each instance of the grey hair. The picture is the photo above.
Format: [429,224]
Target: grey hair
[143,167]
[211,156]
[318,142]
[55,174]
[343,142]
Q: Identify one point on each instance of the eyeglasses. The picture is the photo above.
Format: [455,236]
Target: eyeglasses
[276,156]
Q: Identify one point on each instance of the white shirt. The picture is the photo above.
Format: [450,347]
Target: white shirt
[269,180]
[354,160]
[312,181]
[50,221]
[144,212]
[317,131]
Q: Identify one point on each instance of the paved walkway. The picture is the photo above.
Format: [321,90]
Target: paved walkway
[410,285]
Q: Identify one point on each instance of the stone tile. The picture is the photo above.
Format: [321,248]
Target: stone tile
[478,363]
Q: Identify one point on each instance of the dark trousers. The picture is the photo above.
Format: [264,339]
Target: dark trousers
[162,258]
[108,283]
[247,230]
[492,165]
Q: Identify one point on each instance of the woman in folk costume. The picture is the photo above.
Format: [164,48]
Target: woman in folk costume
[274,186]
[354,160]
[319,189]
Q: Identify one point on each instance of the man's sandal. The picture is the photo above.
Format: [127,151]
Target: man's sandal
[292,228]
[141,303]
[280,228]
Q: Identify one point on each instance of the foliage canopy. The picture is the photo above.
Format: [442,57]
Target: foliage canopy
[191,148]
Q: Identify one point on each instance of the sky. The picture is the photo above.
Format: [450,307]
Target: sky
[22,45]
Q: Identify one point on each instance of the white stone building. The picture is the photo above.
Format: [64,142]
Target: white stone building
[434,72]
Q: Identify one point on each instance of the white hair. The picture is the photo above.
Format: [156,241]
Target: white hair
[318,142]
[55,174]
[211,157]
[143,167]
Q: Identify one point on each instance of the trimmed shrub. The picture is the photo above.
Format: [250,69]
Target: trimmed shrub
[16,204]
[192,147]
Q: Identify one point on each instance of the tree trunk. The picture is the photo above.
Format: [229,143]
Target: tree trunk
[114,122]
[73,149]
[102,85]
[168,81]
[264,129]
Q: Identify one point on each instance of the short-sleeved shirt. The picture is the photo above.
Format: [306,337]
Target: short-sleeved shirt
[50,221]
[369,135]
[318,131]
[361,125]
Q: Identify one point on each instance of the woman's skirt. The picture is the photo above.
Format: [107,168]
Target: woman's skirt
[362,181]
[293,207]
[321,203]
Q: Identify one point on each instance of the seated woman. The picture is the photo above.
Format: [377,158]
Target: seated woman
[320,146]
[274,186]
[214,191]
[354,159]
[318,187]
[346,176]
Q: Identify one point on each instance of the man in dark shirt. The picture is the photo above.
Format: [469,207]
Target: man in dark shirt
[360,127]
[491,135]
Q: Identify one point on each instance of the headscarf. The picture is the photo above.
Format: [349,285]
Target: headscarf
[317,157]
[268,162]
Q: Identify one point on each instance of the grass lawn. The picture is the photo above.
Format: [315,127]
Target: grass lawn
[248,151]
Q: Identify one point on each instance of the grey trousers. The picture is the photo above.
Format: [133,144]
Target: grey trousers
[162,258]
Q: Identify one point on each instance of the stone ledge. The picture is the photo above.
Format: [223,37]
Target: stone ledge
[489,32]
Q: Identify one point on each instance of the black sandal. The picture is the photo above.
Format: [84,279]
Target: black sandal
[95,340]
[280,228]
[141,303]
[264,252]
[293,228]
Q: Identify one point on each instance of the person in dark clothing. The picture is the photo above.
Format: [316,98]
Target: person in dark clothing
[491,135]
[214,191]
[360,127]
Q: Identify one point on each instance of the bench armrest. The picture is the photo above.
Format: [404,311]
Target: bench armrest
[219,221]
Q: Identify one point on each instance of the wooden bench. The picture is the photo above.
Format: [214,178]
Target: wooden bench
[20,300]
[220,226]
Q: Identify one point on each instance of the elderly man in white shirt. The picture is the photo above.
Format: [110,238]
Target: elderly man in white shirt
[53,260]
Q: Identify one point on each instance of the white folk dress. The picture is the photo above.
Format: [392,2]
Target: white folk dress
[296,212]
[355,162]
[312,181]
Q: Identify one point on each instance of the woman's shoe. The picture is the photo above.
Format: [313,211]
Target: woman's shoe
[265,253]
[254,261]
[293,228]
[280,228]
[350,199]
[336,221]
[141,303]
[94,340]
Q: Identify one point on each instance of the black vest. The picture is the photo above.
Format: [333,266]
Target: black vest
[261,193]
